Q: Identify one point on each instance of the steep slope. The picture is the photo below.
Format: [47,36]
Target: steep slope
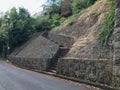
[75,48]
[86,31]
[88,60]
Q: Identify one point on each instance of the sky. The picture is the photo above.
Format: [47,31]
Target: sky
[32,6]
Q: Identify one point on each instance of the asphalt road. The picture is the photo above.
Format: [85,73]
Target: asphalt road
[13,78]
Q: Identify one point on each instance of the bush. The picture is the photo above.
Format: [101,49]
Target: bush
[57,23]
[43,23]
[3,39]
[78,5]
[56,17]
[21,27]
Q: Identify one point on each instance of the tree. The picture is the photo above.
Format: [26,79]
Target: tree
[22,25]
[66,9]
[43,23]
[52,7]
[0,22]
[1,18]
[78,5]
[3,39]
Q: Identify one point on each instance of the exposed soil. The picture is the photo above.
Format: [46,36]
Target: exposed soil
[86,31]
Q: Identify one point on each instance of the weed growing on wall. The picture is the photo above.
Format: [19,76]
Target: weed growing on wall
[108,24]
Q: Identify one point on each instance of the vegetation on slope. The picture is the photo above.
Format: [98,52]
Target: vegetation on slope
[108,24]
[55,16]
[20,25]
[87,28]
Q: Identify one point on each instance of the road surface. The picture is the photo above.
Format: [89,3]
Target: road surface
[13,78]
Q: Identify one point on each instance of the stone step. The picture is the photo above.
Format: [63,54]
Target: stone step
[54,67]
[52,71]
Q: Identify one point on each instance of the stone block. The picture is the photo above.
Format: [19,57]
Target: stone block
[79,74]
[116,30]
[117,37]
[91,77]
[117,45]
[117,61]
[116,70]
[116,82]
[89,70]
[117,52]
[117,17]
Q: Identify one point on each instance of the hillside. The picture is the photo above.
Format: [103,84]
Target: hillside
[86,31]
[75,51]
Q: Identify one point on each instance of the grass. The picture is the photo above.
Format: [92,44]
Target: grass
[108,27]
[68,21]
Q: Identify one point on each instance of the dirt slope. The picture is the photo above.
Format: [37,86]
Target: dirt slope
[86,31]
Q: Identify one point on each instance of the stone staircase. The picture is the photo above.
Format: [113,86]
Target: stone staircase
[61,53]
[65,43]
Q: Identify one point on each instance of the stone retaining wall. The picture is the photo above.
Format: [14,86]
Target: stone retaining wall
[97,71]
[38,53]
[41,64]
[101,71]
[116,59]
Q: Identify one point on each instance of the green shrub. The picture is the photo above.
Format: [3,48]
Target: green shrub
[108,25]
[62,19]
[78,5]
[57,22]
[3,39]
[43,23]
[56,17]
